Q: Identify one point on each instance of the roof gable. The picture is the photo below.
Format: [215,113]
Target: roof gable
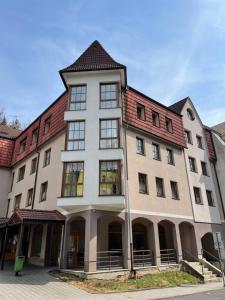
[95,57]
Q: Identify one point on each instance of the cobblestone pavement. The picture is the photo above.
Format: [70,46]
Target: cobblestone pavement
[37,284]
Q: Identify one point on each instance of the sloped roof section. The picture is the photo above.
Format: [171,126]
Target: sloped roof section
[220,128]
[28,215]
[8,132]
[178,106]
[95,57]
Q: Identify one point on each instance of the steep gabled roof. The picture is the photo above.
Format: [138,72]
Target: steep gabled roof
[93,58]
[8,132]
[178,106]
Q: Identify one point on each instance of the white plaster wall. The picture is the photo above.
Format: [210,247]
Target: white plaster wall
[92,154]
[51,173]
[5,179]
[202,213]
[150,203]
[220,163]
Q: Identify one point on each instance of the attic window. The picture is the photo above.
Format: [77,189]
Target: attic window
[190,114]
[140,112]
[23,145]
[47,124]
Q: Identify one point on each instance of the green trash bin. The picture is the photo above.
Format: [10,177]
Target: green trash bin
[18,267]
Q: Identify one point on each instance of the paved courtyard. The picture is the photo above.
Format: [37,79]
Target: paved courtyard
[37,284]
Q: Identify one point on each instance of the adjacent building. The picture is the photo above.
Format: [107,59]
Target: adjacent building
[108,178]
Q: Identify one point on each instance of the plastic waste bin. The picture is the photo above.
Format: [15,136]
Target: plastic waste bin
[18,267]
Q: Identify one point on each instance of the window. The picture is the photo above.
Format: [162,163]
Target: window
[142,183]
[199,141]
[47,124]
[23,145]
[170,158]
[43,194]
[29,197]
[210,198]
[190,114]
[198,197]
[188,137]
[140,112]
[12,181]
[169,125]
[110,178]
[34,136]
[140,146]
[156,151]
[109,134]
[33,165]
[73,179]
[204,168]
[78,95]
[192,164]
[155,119]
[47,158]
[174,190]
[76,135]
[21,173]
[109,95]
[17,202]
[159,187]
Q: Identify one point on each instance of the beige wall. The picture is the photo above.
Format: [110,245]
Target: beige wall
[51,173]
[202,213]
[150,203]
[5,180]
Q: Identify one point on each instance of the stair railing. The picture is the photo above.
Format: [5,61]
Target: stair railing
[195,257]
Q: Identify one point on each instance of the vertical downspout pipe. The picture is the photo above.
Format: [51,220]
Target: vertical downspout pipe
[37,167]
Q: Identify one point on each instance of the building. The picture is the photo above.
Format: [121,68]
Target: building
[108,178]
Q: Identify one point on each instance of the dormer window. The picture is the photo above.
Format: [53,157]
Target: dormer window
[23,145]
[47,125]
[155,118]
[190,114]
[34,136]
[140,112]
[169,125]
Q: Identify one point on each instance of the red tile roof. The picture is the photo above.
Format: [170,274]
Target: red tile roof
[8,132]
[95,57]
[26,215]
[132,97]
[209,142]
[6,151]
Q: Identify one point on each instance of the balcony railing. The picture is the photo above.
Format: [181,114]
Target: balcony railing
[108,260]
[143,258]
[75,260]
[168,256]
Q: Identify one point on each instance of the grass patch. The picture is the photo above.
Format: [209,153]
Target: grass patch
[158,280]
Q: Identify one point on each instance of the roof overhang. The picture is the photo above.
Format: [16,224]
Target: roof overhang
[28,216]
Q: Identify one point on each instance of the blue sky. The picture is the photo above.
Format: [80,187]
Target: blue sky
[172,49]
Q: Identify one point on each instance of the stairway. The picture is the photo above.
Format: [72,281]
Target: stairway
[206,274]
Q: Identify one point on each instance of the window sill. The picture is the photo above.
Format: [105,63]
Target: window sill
[157,159]
[199,203]
[161,196]
[110,107]
[71,196]
[175,198]
[114,195]
[110,148]
[73,150]
[171,164]
[142,154]
[143,193]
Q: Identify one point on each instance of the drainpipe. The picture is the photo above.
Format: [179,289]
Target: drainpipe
[128,219]
[37,166]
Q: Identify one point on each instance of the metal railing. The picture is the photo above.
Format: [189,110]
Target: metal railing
[187,255]
[108,260]
[143,258]
[213,259]
[168,256]
[75,260]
